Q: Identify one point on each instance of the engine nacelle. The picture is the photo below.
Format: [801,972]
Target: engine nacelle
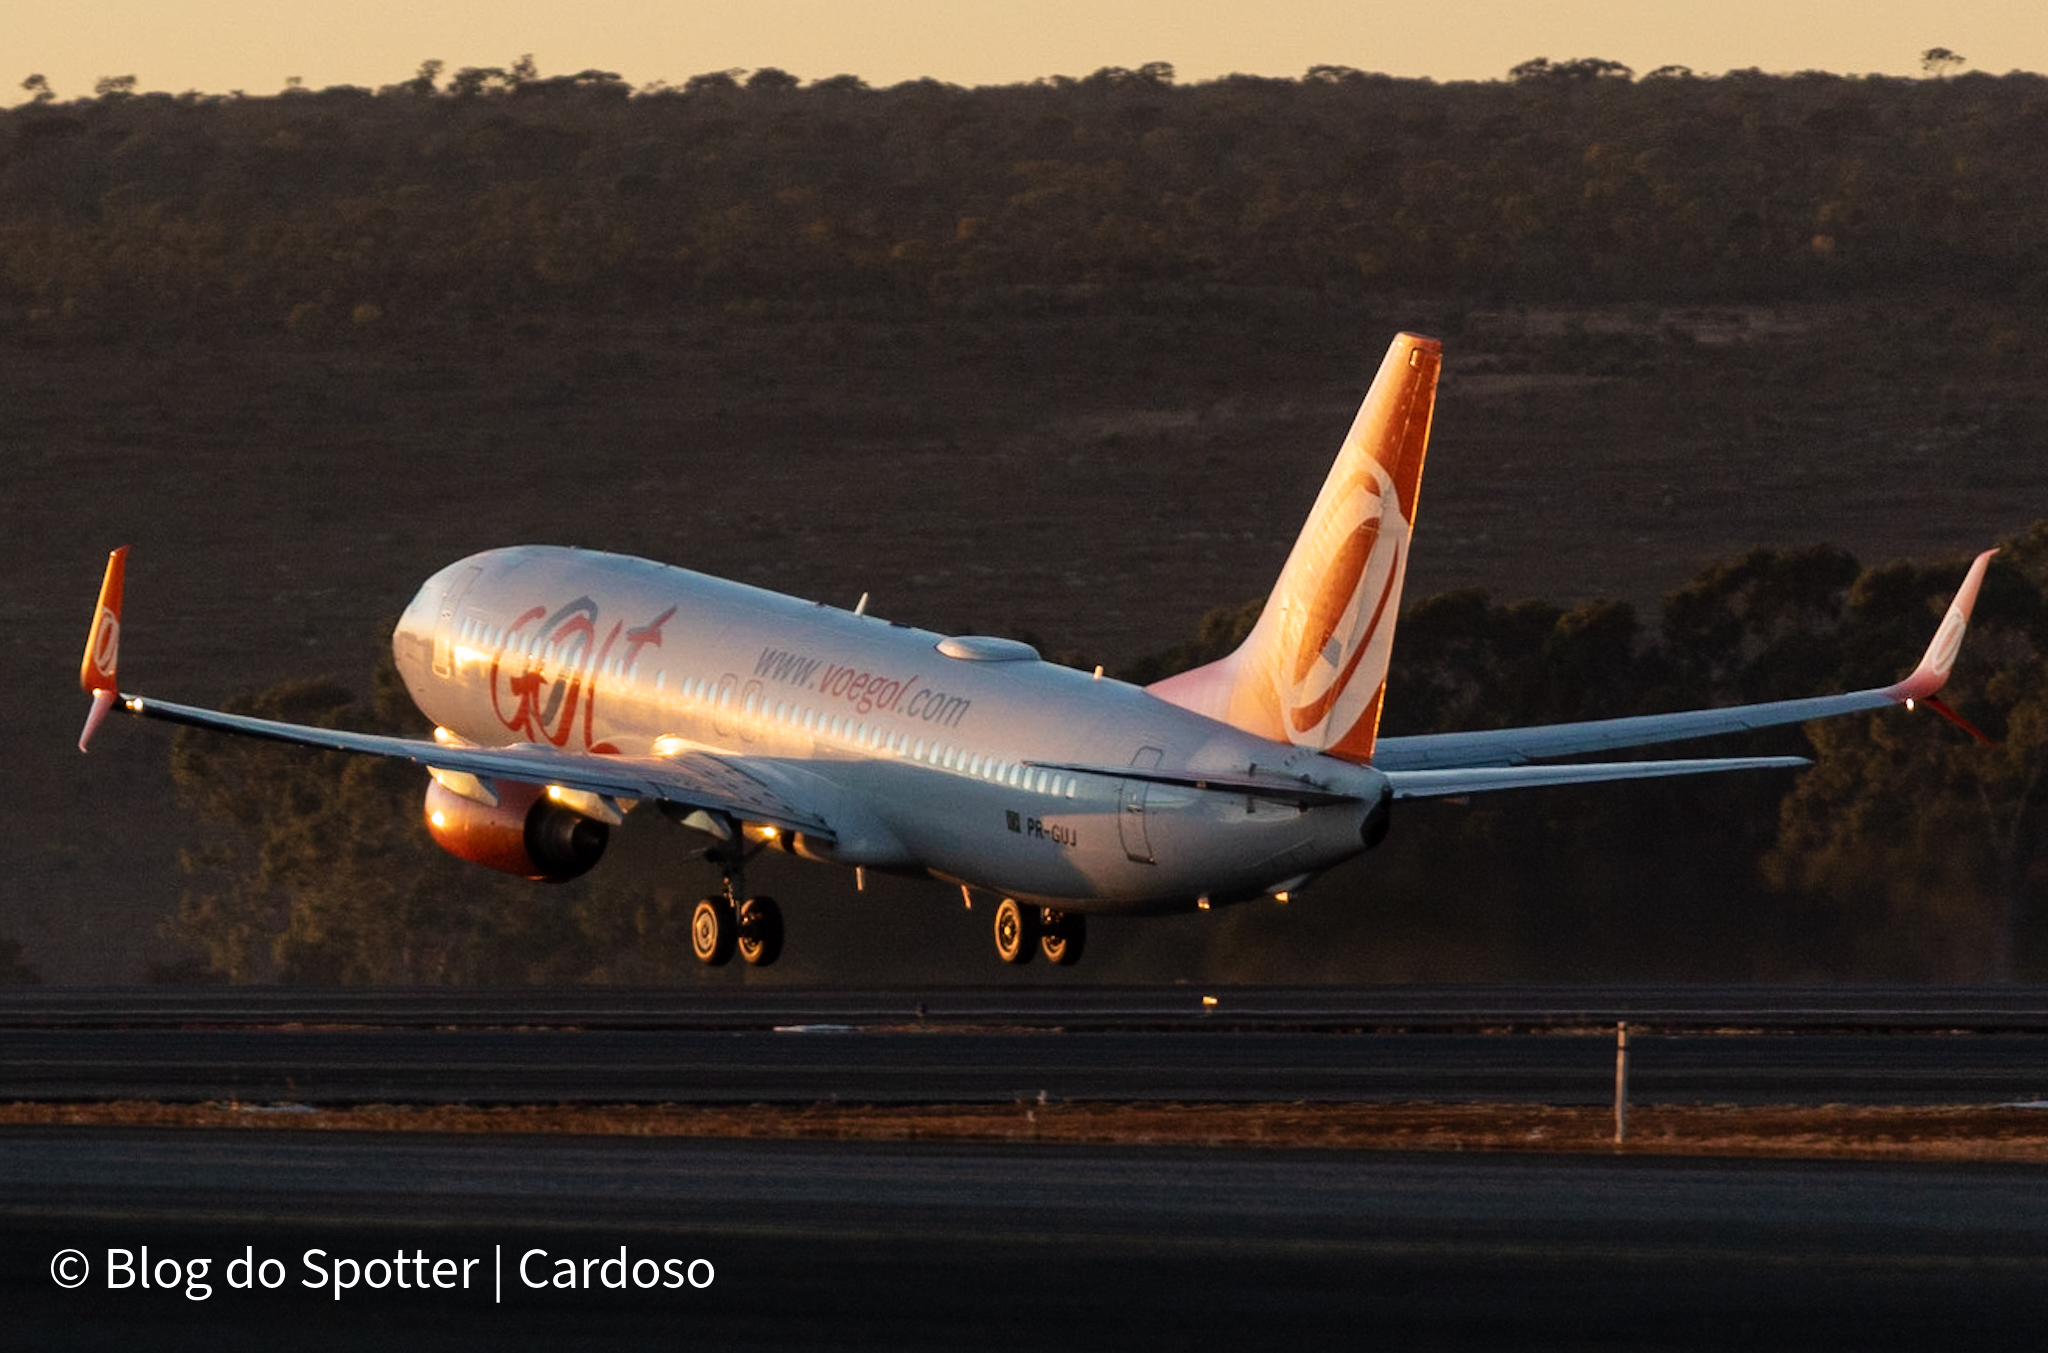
[527,834]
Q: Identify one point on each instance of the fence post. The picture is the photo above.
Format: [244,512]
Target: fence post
[1621,1083]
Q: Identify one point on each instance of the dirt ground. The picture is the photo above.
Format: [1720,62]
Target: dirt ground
[1098,481]
[1957,1132]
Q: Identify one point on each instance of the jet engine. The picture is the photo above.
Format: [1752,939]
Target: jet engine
[525,833]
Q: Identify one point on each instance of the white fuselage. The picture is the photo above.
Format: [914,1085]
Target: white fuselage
[925,763]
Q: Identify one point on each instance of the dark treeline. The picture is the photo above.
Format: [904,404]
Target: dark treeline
[1908,852]
[499,193]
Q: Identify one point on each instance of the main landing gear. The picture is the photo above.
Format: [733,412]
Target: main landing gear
[726,924]
[1020,928]
[752,928]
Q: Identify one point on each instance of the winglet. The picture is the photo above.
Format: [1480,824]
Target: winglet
[99,671]
[1941,652]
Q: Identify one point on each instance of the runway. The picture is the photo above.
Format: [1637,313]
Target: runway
[874,1246]
[1810,1008]
[813,1064]
[857,1244]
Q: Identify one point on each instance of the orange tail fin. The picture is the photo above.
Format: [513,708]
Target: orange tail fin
[1313,670]
[99,671]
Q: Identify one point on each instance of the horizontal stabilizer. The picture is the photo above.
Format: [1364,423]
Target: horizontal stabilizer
[1440,784]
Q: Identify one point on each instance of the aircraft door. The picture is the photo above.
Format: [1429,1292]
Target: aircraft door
[444,624]
[1130,818]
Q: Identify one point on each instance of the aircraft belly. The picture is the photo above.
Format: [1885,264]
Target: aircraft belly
[1205,844]
[1005,840]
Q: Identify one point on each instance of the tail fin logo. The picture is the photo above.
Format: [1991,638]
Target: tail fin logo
[1313,671]
[1347,614]
[106,647]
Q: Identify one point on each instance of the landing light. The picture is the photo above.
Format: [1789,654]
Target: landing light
[769,833]
[440,819]
[1909,704]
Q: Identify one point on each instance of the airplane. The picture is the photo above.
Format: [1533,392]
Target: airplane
[568,687]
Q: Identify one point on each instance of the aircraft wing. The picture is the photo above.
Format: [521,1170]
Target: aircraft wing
[1518,746]
[691,778]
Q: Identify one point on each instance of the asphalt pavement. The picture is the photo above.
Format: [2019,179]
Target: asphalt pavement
[865,1245]
[814,1063]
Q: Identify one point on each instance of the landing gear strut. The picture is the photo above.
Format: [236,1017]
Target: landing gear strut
[721,925]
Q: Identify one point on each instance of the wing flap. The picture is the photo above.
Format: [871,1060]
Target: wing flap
[1300,792]
[1452,783]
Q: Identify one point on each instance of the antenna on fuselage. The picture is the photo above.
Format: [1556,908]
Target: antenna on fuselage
[861,607]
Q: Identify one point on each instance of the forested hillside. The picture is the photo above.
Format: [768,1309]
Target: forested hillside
[1739,373]
[492,194]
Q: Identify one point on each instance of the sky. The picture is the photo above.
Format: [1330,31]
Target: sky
[217,46]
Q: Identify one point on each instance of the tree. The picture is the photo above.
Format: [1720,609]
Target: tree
[39,89]
[471,81]
[1541,70]
[1931,849]
[1940,62]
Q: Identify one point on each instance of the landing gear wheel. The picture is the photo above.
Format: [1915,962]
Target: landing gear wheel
[1016,931]
[713,929]
[760,931]
[1066,935]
